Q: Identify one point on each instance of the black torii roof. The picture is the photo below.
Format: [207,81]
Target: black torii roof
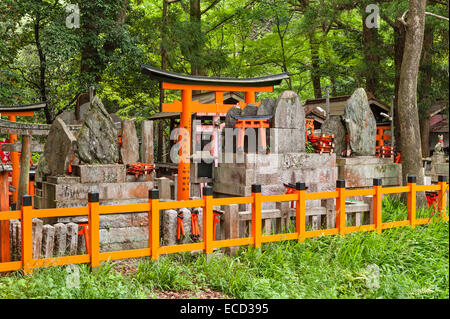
[171,77]
[23,108]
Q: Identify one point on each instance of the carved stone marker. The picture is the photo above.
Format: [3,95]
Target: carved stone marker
[360,123]
[289,112]
[59,148]
[334,125]
[97,139]
[129,149]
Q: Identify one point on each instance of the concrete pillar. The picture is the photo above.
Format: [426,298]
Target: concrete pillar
[169,223]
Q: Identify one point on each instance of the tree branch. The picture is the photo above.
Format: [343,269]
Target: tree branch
[212,5]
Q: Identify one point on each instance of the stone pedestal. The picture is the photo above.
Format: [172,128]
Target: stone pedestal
[359,171]
[439,166]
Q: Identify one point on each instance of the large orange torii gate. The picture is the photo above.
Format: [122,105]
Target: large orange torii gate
[12,112]
[189,83]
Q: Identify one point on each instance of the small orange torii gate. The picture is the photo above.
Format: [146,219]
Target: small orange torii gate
[189,83]
[12,112]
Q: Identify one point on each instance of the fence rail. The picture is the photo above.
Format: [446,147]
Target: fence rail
[154,250]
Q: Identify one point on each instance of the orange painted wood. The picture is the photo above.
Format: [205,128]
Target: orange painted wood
[322,195]
[340,211]
[94,234]
[279,198]
[126,208]
[218,88]
[233,242]
[59,261]
[122,254]
[300,214]
[256,219]
[359,192]
[196,107]
[377,202]
[442,198]
[394,190]
[181,248]
[10,266]
[321,232]
[400,223]
[421,188]
[411,204]
[5,253]
[181,204]
[279,237]
[15,159]
[208,224]
[232,200]
[60,212]
[13,214]
[27,240]
[352,229]
[154,228]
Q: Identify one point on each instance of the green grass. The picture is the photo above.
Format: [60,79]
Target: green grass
[412,263]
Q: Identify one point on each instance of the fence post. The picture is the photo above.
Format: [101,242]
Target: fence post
[208,219]
[442,195]
[27,234]
[153,231]
[94,229]
[377,201]
[300,189]
[340,206]
[256,215]
[411,200]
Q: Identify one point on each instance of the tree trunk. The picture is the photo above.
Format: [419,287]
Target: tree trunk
[315,65]
[407,94]
[195,19]
[399,47]
[425,91]
[42,69]
[370,48]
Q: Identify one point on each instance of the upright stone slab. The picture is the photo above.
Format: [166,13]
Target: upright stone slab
[97,141]
[169,226]
[129,149]
[59,148]
[334,125]
[289,112]
[48,241]
[37,237]
[147,145]
[360,123]
[72,239]
[60,239]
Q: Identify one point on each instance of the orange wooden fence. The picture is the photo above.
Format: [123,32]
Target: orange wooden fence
[154,206]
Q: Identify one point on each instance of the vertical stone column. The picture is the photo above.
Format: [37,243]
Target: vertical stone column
[72,239]
[147,144]
[37,237]
[48,241]
[231,225]
[60,239]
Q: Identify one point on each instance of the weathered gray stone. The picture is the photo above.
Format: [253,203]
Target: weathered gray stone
[123,235]
[289,112]
[334,125]
[187,224]
[59,148]
[37,237]
[72,239]
[42,169]
[250,109]
[16,240]
[147,145]
[60,239]
[169,226]
[360,123]
[129,149]
[287,140]
[48,241]
[68,117]
[267,107]
[106,173]
[234,110]
[97,138]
